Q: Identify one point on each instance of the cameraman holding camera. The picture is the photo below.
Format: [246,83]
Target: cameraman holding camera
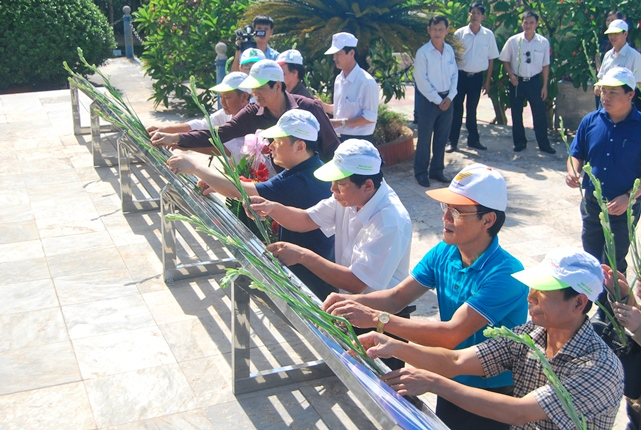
[255,36]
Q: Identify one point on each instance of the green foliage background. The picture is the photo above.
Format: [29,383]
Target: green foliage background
[38,35]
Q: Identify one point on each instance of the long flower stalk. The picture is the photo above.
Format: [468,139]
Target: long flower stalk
[562,393]
[588,60]
[632,230]
[610,251]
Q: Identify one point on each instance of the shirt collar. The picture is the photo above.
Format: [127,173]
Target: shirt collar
[575,347]
[479,263]
[468,30]
[370,207]
[634,115]
[310,162]
[290,103]
[624,51]
[352,75]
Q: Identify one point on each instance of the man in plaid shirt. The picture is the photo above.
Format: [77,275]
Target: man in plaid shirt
[562,289]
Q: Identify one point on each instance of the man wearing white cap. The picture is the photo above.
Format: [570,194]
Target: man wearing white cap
[471,275]
[355,107]
[291,61]
[562,289]
[249,57]
[610,140]
[294,149]
[266,81]
[232,98]
[372,230]
[621,55]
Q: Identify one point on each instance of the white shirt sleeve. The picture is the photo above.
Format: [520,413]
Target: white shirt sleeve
[323,214]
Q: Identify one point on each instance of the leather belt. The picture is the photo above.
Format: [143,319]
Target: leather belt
[470,74]
[521,78]
[443,94]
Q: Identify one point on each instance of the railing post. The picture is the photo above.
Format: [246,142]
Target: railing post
[221,60]
[129,41]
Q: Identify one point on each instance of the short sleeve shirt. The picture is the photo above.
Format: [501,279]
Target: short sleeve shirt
[627,57]
[480,48]
[587,368]
[373,242]
[518,50]
[487,286]
[356,95]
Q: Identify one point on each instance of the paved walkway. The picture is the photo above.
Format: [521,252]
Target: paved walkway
[93,338]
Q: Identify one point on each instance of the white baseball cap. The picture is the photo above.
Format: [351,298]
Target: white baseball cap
[617,26]
[340,41]
[295,122]
[251,55]
[291,56]
[617,76]
[477,184]
[565,268]
[262,72]
[231,82]
[354,156]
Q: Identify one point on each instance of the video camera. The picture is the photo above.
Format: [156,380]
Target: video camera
[247,36]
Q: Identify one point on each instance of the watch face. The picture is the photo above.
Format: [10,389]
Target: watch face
[383,318]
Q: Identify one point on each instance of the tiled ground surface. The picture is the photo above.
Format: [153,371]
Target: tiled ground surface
[93,338]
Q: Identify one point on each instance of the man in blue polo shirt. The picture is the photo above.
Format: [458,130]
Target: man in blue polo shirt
[293,148]
[471,275]
[610,140]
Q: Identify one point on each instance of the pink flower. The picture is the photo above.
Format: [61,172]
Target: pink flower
[254,147]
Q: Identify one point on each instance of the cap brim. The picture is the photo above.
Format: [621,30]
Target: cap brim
[607,81]
[249,60]
[537,279]
[614,30]
[332,50]
[445,195]
[330,172]
[222,88]
[273,132]
[252,82]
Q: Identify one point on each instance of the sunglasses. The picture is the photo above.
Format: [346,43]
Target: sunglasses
[529,59]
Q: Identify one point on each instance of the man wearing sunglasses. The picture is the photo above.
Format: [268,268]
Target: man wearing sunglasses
[526,59]
[471,275]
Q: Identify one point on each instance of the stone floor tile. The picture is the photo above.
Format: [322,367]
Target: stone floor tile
[107,316]
[191,420]
[18,251]
[76,243]
[121,352]
[26,296]
[86,261]
[139,395]
[94,286]
[210,379]
[197,337]
[18,231]
[37,367]
[33,328]
[59,407]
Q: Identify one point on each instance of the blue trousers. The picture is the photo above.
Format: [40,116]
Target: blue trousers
[530,91]
[431,121]
[468,90]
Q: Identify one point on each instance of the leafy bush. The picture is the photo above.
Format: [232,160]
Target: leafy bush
[38,35]
[390,125]
[180,36]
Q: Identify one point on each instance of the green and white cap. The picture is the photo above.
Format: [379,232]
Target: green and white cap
[231,82]
[251,55]
[354,156]
[618,76]
[262,72]
[617,26]
[565,268]
[295,122]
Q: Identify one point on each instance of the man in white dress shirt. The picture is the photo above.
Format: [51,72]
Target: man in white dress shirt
[355,107]
[480,52]
[436,77]
[526,59]
[621,55]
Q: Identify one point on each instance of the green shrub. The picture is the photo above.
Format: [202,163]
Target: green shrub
[38,35]
[180,36]
[390,125]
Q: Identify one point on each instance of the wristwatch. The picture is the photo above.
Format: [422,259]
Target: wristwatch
[383,319]
[343,122]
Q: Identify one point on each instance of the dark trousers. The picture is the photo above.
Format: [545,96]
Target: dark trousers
[530,91]
[431,120]
[369,138]
[469,90]
[457,418]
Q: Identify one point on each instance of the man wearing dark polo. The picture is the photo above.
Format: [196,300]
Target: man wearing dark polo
[480,51]
[526,59]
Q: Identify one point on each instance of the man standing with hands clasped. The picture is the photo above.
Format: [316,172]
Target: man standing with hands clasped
[480,52]
[526,59]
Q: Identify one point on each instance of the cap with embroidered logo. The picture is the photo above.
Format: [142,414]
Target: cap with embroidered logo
[340,41]
[251,55]
[263,72]
[295,122]
[354,156]
[617,26]
[477,184]
[617,76]
[231,82]
[565,268]
[291,56]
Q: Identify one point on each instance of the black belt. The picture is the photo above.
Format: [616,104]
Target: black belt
[443,94]
[521,78]
[470,74]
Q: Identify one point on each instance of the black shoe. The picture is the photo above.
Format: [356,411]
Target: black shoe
[441,178]
[519,148]
[450,148]
[423,181]
[476,145]
[547,149]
